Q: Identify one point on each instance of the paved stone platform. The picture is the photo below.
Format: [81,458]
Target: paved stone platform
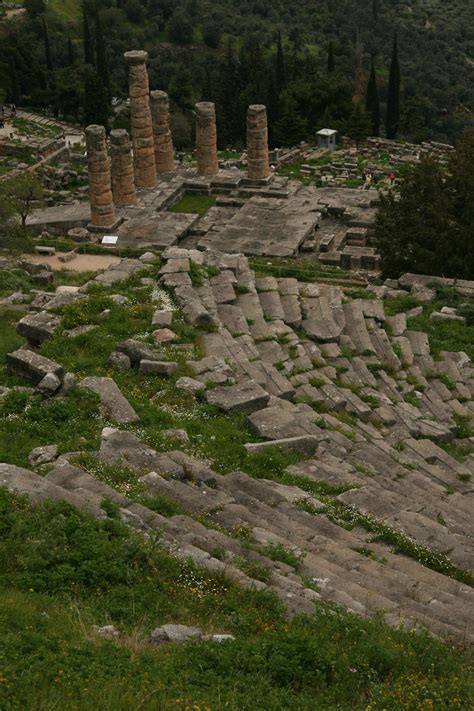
[267,226]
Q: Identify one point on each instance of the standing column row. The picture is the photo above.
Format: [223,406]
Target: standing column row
[100,189]
[206,139]
[123,180]
[257,143]
[160,114]
[142,129]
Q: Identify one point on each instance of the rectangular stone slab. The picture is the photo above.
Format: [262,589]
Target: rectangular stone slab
[32,366]
[245,398]
[111,398]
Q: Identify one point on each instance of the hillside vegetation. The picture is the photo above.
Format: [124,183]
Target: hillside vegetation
[235,54]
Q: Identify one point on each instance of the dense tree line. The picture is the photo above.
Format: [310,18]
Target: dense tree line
[429,228]
[309,62]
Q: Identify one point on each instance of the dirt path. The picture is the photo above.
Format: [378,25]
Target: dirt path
[81,263]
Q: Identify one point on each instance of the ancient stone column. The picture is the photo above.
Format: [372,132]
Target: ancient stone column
[206,139]
[123,184]
[142,130]
[160,114]
[257,143]
[100,191]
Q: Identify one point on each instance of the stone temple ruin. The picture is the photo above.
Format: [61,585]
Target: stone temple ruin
[374,414]
[134,183]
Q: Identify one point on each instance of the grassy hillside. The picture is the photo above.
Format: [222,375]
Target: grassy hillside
[81,572]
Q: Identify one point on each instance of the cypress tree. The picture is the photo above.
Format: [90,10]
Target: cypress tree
[96,105]
[70,51]
[375,10]
[280,65]
[47,47]
[14,93]
[100,53]
[393,96]
[372,103]
[88,46]
[331,62]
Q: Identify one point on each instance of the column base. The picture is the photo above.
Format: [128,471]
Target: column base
[105,229]
[257,182]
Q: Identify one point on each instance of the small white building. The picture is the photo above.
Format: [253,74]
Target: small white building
[327,139]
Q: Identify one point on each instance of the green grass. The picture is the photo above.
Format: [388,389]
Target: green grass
[198,204]
[81,572]
[445,335]
[64,10]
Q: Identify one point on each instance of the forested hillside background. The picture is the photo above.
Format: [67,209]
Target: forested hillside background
[308,60]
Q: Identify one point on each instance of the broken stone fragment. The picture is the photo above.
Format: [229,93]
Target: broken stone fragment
[112,400]
[38,327]
[245,398]
[119,361]
[43,455]
[48,385]
[137,351]
[162,319]
[108,631]
[180,435]
[175,633]
[157,367]
[190,385]
[164,335]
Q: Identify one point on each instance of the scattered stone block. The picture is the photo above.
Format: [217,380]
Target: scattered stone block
[164,335]
[48,385]
[245,398]
[137,351]
[190,385]
[38,327]
[306,444]
[156,367]
[32,366]
[43,455]
[111,398]
[161,319]
[119,361]
[176,634]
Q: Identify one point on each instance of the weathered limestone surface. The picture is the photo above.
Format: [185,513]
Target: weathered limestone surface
[100,187]
[160,113]
[115,404]
[257,143]
[123,183]
[142,129]
[206,139]
[32,366]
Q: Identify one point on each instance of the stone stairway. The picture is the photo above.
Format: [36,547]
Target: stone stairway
[358,395]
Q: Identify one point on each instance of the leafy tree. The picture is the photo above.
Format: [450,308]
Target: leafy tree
[372,103]
[211,33]
[180,29]
[34,7]
[358,126]
[23,192]
[429,229]
[393,96]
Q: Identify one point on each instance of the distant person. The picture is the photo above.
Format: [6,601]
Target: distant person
[13,109]
[392,178]
[368,181]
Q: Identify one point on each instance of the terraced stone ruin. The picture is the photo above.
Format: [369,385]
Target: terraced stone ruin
[375,511]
